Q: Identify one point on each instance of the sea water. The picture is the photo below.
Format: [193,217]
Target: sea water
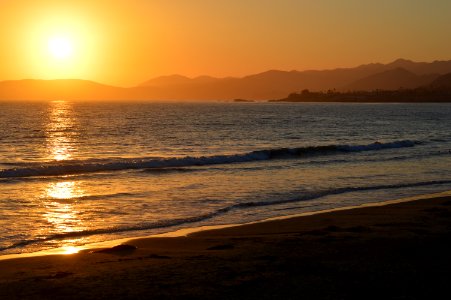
[73,173]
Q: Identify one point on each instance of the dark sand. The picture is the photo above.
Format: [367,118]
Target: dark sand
[397,251]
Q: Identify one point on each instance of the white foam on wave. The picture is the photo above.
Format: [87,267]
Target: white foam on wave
[91,166]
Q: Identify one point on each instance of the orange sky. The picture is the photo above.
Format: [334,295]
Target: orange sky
[126,42]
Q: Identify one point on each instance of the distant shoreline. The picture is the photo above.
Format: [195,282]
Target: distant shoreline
[420,95]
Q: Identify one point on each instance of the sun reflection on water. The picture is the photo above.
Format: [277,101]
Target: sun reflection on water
[64,190]
[62,212]
[63,215]
[70,250]
[61,137]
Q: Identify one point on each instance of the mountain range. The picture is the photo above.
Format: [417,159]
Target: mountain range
[271,84]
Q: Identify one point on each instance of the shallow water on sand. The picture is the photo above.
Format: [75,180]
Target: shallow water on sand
[73,173]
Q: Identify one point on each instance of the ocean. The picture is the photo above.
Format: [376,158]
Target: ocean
[73,173]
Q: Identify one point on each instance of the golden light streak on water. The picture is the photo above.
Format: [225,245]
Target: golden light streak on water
[60,206]
[59,131]
[64,190]
[70,250]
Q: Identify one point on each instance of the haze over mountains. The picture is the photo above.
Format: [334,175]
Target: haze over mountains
[271,84]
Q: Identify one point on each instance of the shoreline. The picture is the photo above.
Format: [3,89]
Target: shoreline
[184,232]
[397,249]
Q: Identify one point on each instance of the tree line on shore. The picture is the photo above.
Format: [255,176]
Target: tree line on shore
[422,94]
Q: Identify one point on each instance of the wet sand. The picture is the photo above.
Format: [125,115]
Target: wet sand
[396,251]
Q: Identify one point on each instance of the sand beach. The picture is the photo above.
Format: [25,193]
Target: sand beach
[393,251]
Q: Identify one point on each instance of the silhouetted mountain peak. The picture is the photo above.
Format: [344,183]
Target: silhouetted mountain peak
[166,80]
[268,74]
[204,78]
[175,80]
[401,62]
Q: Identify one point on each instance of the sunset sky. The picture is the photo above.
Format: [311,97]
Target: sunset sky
[126,42]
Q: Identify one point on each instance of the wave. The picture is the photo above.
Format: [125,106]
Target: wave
[96,197]
[91,166]
[169,170]
[221,211]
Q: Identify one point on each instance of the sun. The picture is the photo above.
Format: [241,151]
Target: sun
[60,47]
[59,42]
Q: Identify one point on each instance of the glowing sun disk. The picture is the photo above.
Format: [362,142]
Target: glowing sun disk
[60,47]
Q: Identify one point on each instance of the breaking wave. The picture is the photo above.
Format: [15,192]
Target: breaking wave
[159,164]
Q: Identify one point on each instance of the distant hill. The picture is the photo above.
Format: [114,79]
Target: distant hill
[442,82]
[269,84]
[176,80]
[437,91]
[422,68]
[391,80]
[273,84]
[73,89]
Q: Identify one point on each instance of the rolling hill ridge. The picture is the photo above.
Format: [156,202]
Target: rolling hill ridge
[272,84]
